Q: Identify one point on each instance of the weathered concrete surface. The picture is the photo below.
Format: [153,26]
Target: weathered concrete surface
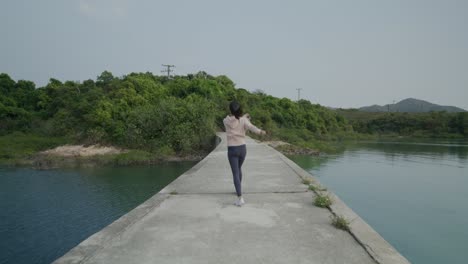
[375,245]
[198,222]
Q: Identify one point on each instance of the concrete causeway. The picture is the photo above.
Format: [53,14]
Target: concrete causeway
[193,220]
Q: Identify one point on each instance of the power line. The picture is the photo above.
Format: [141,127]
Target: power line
[298,93]
[168,70]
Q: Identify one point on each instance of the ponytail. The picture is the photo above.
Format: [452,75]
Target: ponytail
[235,108]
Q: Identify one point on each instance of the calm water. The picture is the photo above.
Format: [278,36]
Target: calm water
[46,213]
[414,194]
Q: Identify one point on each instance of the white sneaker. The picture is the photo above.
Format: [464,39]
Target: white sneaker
[239,202]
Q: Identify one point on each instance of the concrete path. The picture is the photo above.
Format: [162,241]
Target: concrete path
[193,220]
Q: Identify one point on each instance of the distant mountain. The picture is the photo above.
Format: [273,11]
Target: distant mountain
[411,105]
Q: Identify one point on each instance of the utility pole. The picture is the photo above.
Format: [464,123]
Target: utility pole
[168,70]
[298,93]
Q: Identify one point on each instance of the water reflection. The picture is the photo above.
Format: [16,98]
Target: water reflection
[456,152]
[413,193]
[46,213]
[430,149]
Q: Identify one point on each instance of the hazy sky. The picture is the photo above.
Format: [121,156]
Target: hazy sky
[346,53]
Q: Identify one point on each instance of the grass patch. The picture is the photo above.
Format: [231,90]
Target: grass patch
[133,157]
[322,201]
[18,146]
[340,222]
[317,188]
[306,181]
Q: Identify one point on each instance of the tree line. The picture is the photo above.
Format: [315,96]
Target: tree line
[177,115]
[431,124]
[180,115]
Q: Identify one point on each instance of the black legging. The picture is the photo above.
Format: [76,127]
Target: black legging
[236,156]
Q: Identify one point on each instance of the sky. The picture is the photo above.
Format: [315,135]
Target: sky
[340,53]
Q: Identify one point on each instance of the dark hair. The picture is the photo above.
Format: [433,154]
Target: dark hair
[235,108]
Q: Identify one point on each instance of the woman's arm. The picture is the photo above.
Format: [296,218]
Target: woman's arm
[251,127]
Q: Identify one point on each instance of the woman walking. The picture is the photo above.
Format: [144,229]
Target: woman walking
[236,125]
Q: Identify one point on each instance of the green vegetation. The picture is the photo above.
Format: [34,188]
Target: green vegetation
[17,146]
[340,222]
[165,117]
[317,188]
[411,105]
[306,181]
[432,124]
[322,201]
[133,157]
[159,116]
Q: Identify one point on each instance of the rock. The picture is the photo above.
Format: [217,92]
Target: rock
[82,151]
[289,149]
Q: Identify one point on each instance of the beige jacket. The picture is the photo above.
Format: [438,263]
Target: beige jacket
[236,128]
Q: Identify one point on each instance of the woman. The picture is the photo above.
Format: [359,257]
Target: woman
[236,125]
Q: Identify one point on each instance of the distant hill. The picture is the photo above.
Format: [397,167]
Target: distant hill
[411,105]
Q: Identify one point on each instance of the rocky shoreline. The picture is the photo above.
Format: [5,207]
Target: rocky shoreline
[69,156]
[82,151]
[289,149]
